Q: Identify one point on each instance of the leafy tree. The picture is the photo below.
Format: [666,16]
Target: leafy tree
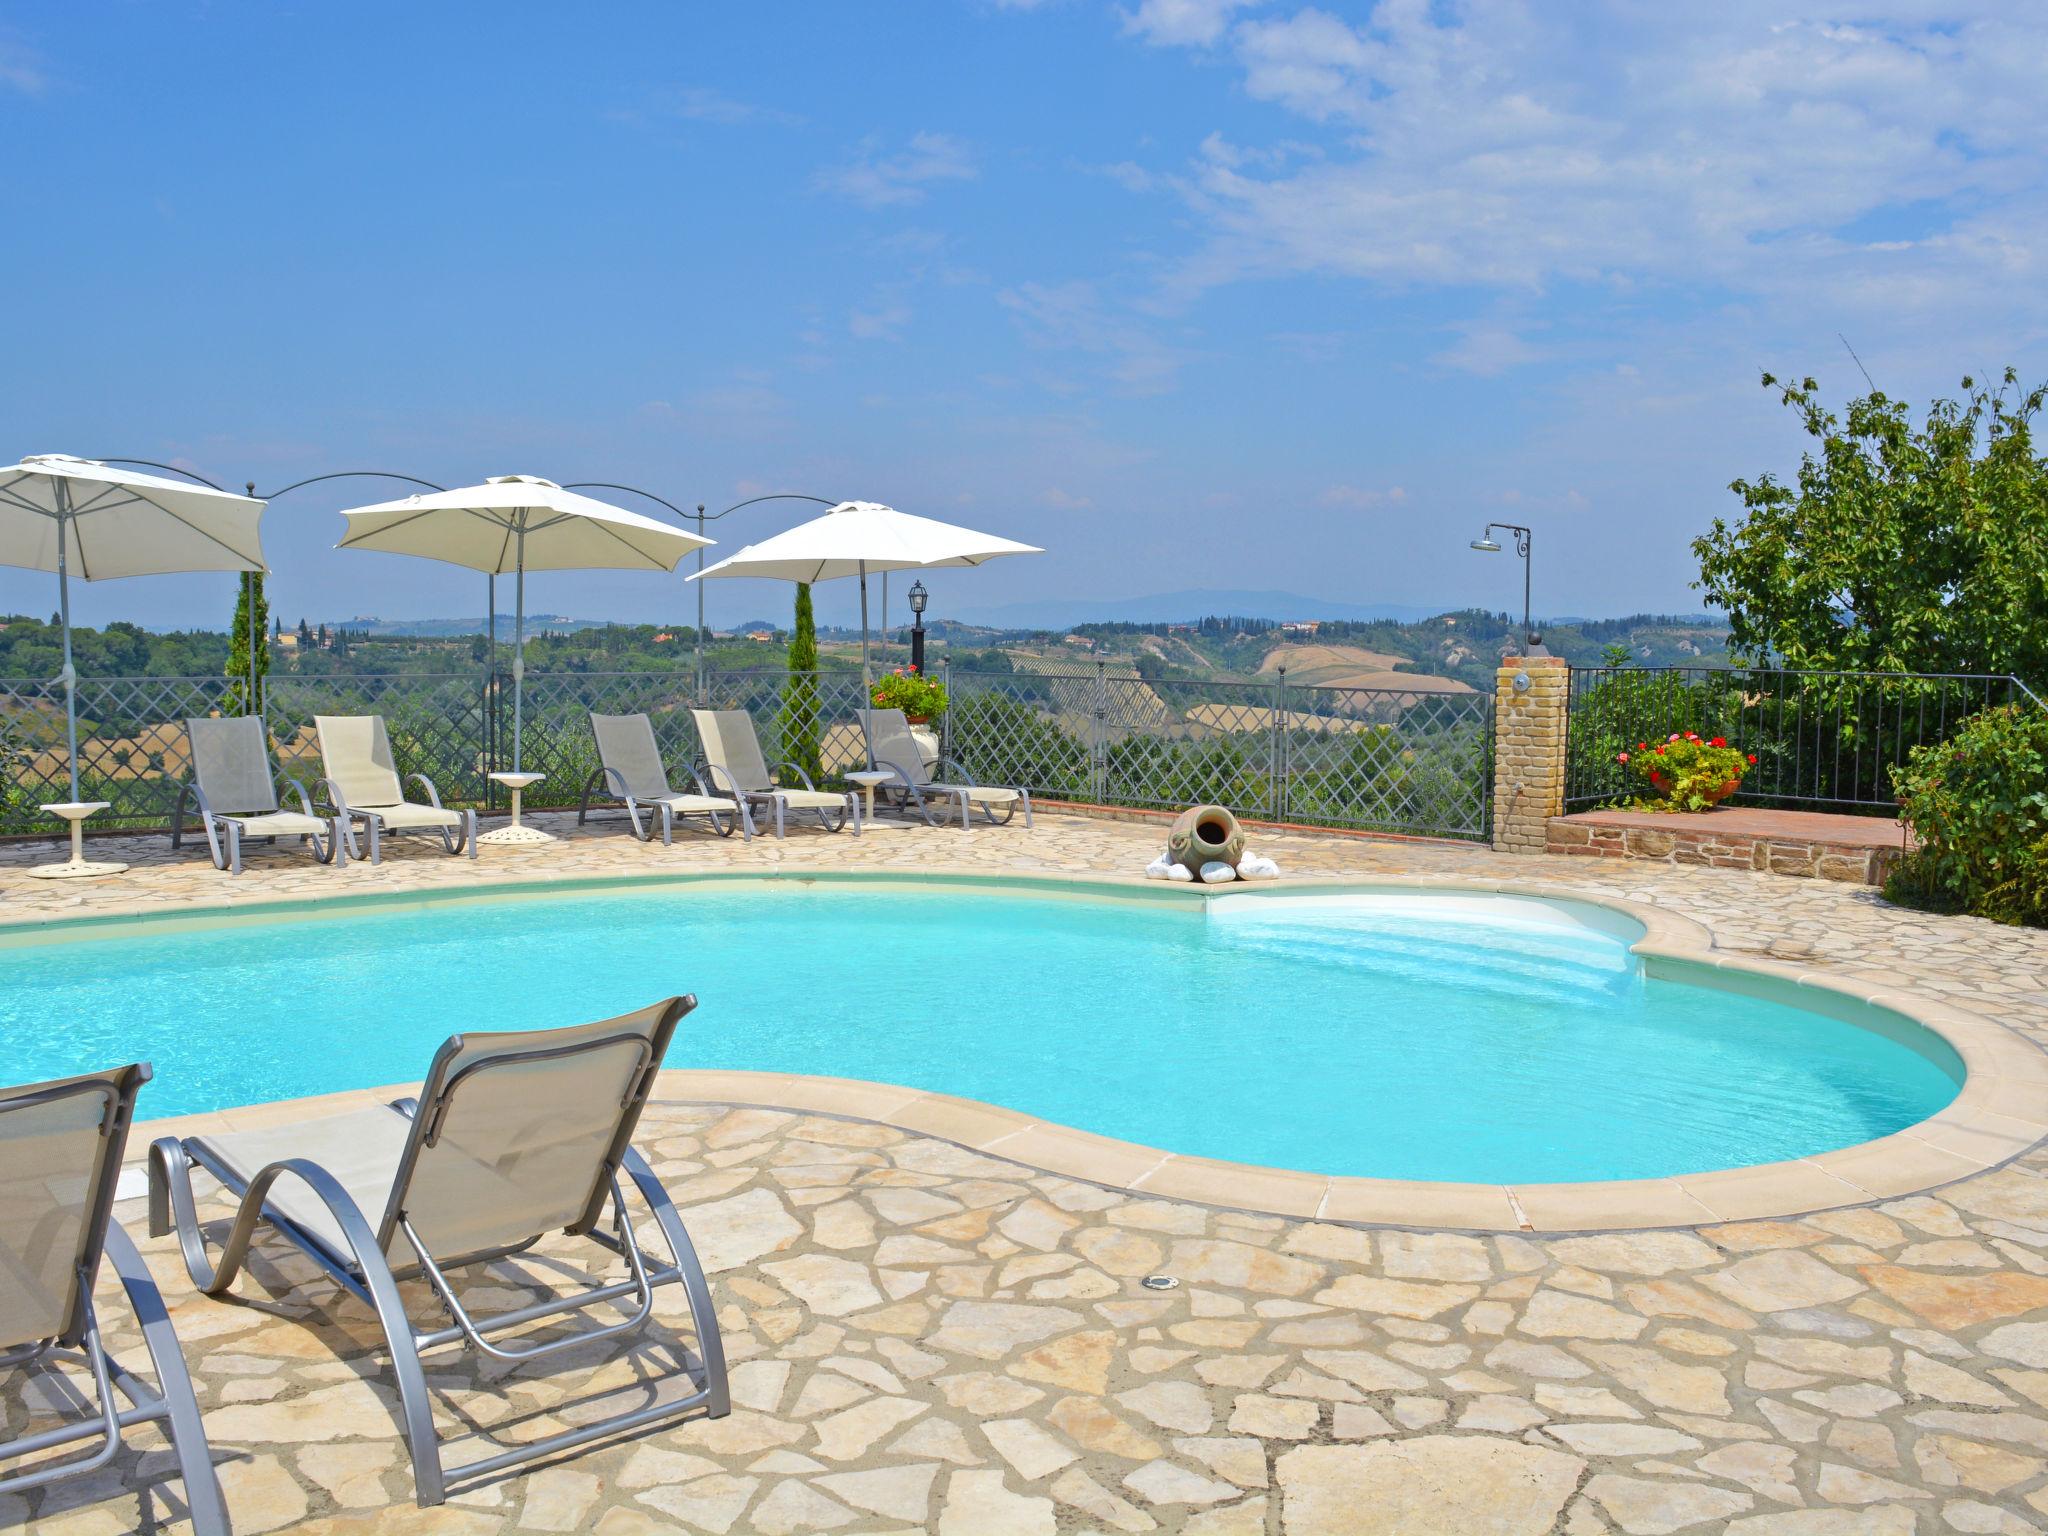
[798,724]
[1901,548]
[250,591]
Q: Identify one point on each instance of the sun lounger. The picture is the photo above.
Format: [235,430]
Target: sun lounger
[894,751]
[60,1155]
[233,787]
[362,784]
[632,770]
[514,1135]
[734,766]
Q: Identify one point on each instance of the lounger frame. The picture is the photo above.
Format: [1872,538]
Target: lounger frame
[453,839]
[364,1271]
[172,1403]
[223,827]
[723,783]
[614,783]
[959,784]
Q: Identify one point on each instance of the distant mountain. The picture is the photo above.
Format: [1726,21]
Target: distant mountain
[441,629]
[1184,607]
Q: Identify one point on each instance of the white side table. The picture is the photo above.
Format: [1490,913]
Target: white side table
[515,832]
[76,867]
[867,779]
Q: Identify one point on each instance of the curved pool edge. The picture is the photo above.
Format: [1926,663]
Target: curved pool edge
[1999,1112]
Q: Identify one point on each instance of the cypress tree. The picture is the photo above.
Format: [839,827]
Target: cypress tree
[798,722]
[236,702]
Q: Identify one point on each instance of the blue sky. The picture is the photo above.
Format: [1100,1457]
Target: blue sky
[1191,292]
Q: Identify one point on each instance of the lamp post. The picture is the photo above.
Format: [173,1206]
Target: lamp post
[1491,546]
[918,598]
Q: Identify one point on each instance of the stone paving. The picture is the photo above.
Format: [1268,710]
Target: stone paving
[928,1339]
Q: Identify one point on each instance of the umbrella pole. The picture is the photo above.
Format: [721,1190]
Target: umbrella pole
[519,650]
[518,781]
[69,676]
[867,681]
[249,604]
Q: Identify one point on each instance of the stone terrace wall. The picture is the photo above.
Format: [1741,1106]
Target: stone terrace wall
[1721,850]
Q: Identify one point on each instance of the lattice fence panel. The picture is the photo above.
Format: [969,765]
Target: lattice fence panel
[1024,729]
[1389,760]
[131,747]
[438,723]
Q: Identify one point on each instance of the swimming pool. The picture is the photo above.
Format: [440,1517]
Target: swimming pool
[1406,1036]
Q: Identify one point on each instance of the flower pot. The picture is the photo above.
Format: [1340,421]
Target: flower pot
[917,719]
[1713,796]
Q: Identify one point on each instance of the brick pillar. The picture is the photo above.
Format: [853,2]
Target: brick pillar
[1528,749]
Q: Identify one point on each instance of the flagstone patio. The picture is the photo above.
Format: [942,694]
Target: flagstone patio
[929,1338]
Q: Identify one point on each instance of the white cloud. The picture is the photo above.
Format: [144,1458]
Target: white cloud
[877,180]
[1183,23]
[1354,499]
[21,68]
[702,104]
[1073,317]
[1487,350]
[883,321]
[1055,497]
[1887,155]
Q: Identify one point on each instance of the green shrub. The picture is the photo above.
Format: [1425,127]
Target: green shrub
[1978,803]
[2024,898]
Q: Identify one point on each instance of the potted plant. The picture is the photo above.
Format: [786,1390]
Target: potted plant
[918,696]
[1686,772]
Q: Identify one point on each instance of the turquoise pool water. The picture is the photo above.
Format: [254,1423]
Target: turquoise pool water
[1417,1037]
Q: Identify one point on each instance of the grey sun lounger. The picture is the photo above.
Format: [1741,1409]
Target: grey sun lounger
[362,784]
[514,1135]
[734,765]
[632,771]
[60,1155]
[233,787]
[894,751]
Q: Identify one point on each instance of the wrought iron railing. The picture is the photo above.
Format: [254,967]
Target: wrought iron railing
[1822,740]
[1378,759]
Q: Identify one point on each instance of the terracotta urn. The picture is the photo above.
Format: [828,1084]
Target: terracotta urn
[1203,833]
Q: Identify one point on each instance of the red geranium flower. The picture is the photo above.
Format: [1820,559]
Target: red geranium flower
[1718,741]
[1621,757]
[1752,757]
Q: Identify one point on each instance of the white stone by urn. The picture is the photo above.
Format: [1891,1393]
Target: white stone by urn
[1207,844]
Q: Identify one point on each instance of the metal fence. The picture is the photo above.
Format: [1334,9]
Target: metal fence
[1369,758]
[1393,760]
[1823,740]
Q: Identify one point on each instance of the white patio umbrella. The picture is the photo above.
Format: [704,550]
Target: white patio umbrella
[859,537]
[512,524]
[63,514]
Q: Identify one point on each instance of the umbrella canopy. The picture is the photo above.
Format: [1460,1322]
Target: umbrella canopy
[512,523]
[64,514]
[118,522]
[516,524]
[857,537]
